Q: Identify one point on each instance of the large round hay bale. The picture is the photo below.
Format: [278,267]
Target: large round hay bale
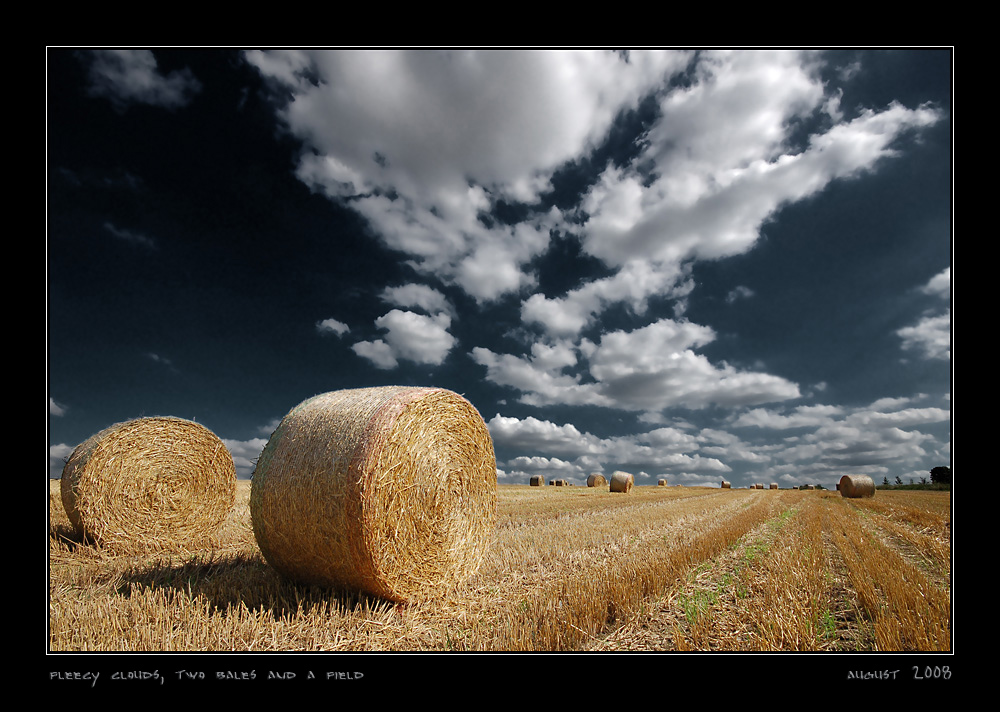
[855,486]
[622,481]
[389,491]
[149,483]
[774,485]
[662,483]
[537,481]
[726,485]
[596,480]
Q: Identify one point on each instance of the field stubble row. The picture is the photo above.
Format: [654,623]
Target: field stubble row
[570,569]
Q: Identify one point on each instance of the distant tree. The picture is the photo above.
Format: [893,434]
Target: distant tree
[885,481]
[923,480]
[899,480]
[941,474]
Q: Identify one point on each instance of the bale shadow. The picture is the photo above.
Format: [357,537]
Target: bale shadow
[233,581]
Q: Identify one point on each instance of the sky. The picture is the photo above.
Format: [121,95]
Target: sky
[691,265]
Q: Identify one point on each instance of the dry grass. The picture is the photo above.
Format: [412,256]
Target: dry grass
[568,569]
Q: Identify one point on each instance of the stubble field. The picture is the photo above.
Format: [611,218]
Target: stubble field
[570,569]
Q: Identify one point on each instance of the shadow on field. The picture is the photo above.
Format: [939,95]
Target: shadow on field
[236,581]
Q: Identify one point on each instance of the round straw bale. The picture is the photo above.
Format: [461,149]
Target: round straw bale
[149,483]
[661,483]
[596,480]
[622,481]
[774,485]
[389,491]
[726,485]
[537,481]
[856,486]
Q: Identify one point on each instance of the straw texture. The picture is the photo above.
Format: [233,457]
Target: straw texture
[537,481]
[857,486]
[149,483]
[390,491]
[622,481]
[596,480]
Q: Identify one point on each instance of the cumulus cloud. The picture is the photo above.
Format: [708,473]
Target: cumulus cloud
[566,451]
[132,76]
[58,454]
[332,326]
[245,454]
[647,369]
[415,337]
[931,335]
[888,433]
[418,295]
[422,142]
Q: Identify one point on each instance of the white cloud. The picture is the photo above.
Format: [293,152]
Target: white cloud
[411,336]
[332,326]
[648,369]
[131,76]
[940,284]
[564,449]
[423,141]
[57,409]
[874,440]
[418,295]
[245,454]
[58,454]
[931,335]
[378,352]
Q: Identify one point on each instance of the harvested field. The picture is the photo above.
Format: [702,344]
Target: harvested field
[568,569]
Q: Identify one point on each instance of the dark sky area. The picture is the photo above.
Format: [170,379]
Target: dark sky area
[691,265]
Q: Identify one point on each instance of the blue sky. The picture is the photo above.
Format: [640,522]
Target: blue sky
[687,264]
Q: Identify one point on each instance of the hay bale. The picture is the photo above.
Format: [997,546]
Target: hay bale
[596,480]
[856,486]
[537,481]
[758,485]
[389,491]
[774,485]
[726,485]
[622,482]
[149,483]
[662,483]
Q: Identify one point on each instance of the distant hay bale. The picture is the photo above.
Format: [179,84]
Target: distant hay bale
[807,487]
[622,482]
[560,483]
[389,491]
[774,485]
[596,480]
[537,481]
[726,485]
[149,483]
[661,483]
[855,486]
[758,486]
